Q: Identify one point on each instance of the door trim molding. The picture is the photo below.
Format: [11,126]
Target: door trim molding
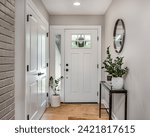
[32,5]
[61,29]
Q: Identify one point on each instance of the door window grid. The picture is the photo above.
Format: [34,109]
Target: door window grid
[81,41]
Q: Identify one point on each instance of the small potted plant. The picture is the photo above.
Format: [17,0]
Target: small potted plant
[55,86]
[114,68]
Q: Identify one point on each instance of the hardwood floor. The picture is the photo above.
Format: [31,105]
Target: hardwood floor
[74,112]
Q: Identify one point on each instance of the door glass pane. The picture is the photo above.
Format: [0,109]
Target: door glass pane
[74,37]
[88,44]
[58,58]
[81,41]
[88,37]
[74,44]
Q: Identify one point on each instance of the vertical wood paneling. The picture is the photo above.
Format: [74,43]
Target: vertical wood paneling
[7,38]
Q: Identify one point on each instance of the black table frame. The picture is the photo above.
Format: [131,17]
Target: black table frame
[111,91]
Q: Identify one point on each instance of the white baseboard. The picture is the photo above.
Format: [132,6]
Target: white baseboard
[107,106]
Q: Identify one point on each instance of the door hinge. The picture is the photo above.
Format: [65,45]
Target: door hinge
[47,94]
[98,38]
[27,68]
[47,34]
[28,117]
[28,17]
[98,66]
[97,93]
[46,64]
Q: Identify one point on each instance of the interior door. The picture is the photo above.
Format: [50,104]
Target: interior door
[36,56]
[81,66]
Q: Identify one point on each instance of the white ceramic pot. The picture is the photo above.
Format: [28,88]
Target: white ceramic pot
[117,82]
[55,100]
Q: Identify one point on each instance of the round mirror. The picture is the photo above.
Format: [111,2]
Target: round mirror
[119,35]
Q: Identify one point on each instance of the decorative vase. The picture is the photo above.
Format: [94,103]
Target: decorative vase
[117,82]
[55,100]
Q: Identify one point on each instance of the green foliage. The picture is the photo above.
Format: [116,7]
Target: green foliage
[54,84]
[114,67]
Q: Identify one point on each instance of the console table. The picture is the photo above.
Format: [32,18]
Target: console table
[111,91]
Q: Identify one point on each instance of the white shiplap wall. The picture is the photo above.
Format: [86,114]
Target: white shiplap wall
[7,40]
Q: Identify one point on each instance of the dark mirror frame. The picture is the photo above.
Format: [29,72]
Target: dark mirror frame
[114,35]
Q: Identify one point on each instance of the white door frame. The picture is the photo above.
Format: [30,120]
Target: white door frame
[61,30]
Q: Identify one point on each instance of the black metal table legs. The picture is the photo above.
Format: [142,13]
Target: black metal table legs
[100,101]
[125,107]
[110,105]
[111,92]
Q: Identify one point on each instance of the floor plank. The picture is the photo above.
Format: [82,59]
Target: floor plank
[74,112]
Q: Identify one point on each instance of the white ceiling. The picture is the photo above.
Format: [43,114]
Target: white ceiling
[88,7]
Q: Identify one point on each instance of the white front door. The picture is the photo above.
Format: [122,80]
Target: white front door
[36,56]
[81,66]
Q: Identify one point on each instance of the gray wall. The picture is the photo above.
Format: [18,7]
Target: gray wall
[135,14]
[41,8]
[76,20]
[7,15]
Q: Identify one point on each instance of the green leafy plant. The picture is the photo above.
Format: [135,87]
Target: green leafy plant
[54,84]
[114,67]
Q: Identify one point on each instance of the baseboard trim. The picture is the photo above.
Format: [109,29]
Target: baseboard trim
[107,106]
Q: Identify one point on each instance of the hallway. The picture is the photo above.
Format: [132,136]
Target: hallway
[80,43]
[74,112]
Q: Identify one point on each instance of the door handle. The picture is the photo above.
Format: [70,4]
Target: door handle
[39,74]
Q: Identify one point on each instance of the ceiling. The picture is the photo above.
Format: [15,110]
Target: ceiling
[87,7]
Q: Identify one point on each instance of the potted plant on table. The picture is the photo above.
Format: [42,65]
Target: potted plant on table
[55,86]
[114,68]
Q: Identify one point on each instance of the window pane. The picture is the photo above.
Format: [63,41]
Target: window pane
[74,37]
[74,44]
[88,44]
[88,37]
[58,39]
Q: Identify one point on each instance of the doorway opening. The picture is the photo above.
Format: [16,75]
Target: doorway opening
[78,64]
